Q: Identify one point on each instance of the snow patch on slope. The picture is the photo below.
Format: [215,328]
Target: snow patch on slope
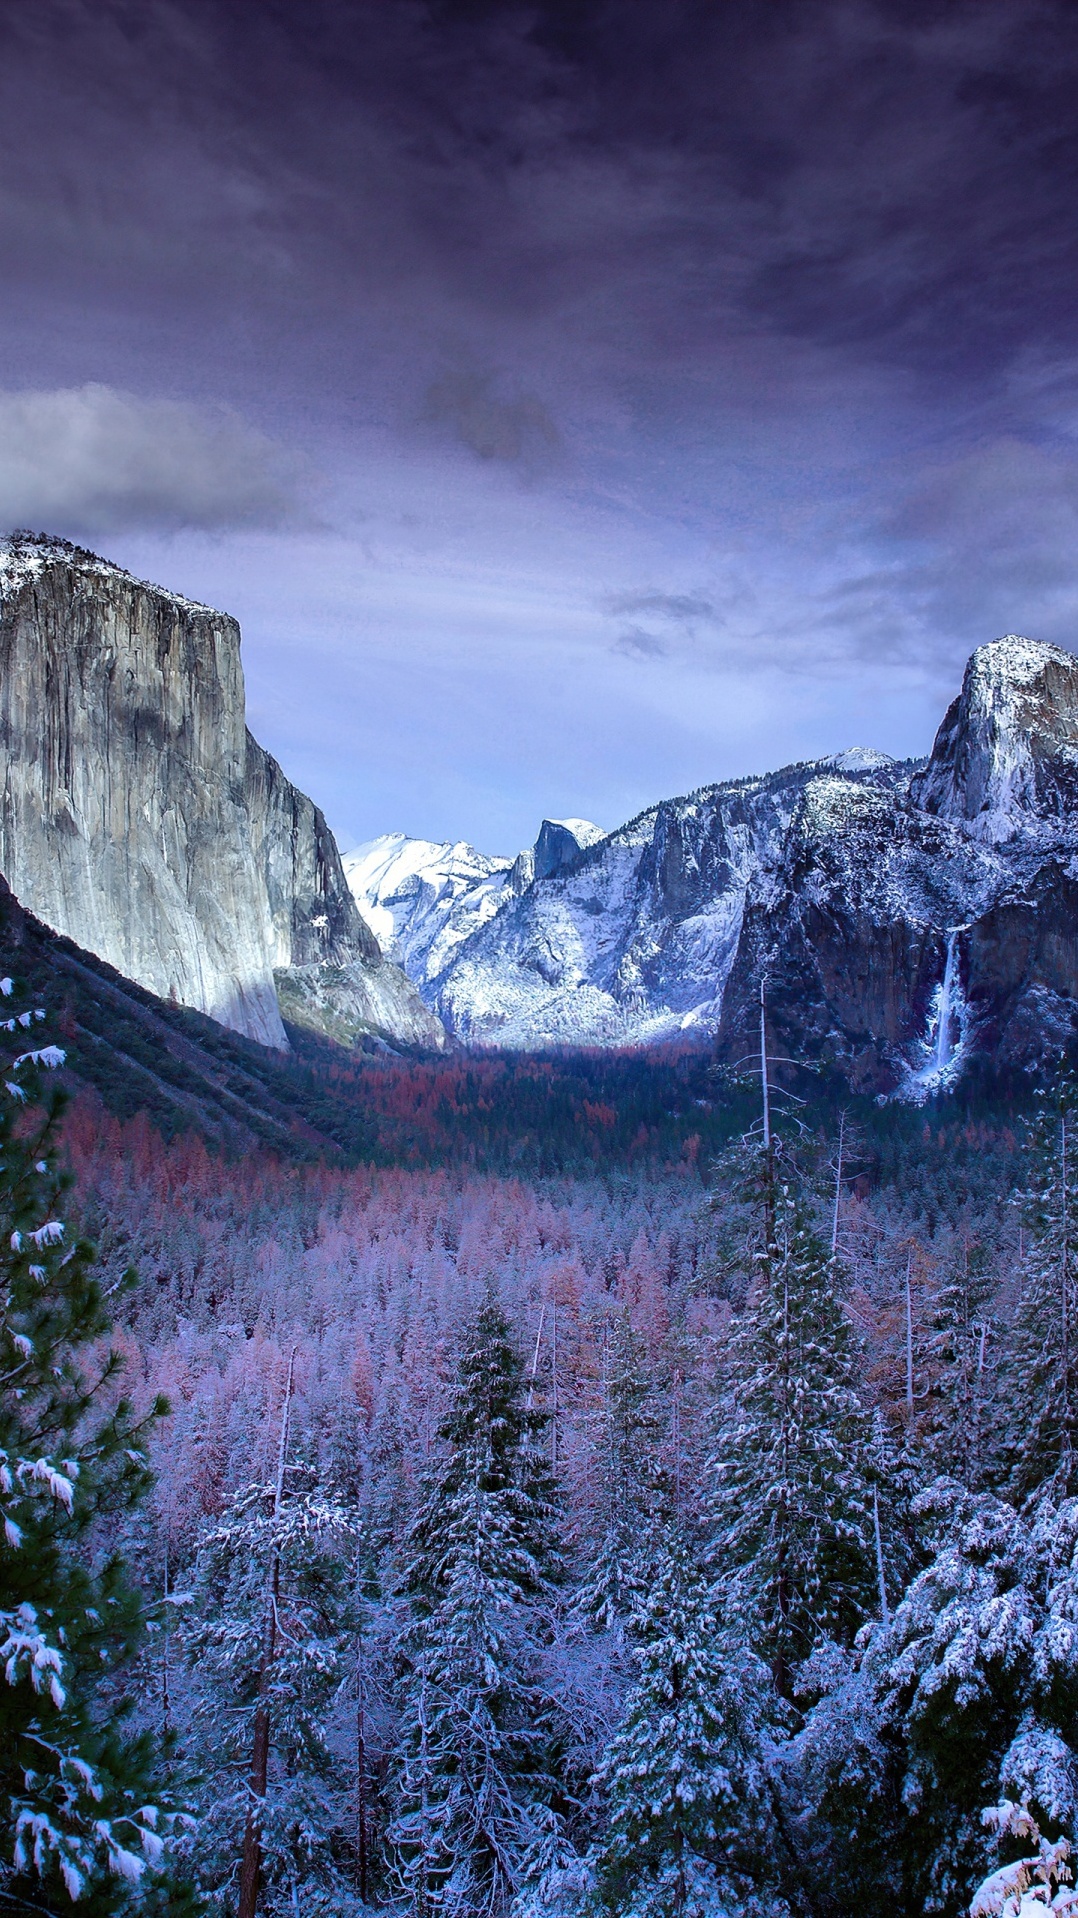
[423,898]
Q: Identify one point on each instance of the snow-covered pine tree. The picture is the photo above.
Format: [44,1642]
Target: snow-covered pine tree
[1042,1363]
[967,1698]
[270,1638]
[78,1817]
[689,1817]
[1040,1879]
[475,1789]
[633,1492]
[956,1427]
[792,1468]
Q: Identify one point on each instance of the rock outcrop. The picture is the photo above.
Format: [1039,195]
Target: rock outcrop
[1006,755]
[560,844]
[138,817]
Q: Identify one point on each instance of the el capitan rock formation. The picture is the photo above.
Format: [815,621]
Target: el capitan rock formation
[139,818]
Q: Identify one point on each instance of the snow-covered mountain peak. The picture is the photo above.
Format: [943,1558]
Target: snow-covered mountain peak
[1008,746]
[858,759]
[422,897]
[1012,661]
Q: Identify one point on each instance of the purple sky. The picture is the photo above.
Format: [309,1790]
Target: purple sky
[575,403]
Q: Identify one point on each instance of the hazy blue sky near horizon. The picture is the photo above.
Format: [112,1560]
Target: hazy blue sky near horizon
[575,402]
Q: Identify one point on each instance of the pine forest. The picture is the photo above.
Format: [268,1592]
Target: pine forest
[605,1488]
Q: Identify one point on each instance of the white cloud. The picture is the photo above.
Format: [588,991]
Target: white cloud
[92,459]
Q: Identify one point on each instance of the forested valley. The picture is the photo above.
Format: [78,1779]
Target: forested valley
[563,1498]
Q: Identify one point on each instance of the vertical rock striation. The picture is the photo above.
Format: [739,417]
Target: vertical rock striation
[139,818]
[313,916]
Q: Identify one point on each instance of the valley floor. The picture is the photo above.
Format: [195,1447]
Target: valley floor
[564,1504]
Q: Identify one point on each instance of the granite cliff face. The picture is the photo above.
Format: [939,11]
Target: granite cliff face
[907,918]
[328,968]
[1006,755]
[903,936]
[139,818]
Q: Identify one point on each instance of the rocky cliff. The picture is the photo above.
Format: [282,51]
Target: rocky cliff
[1006,756]
[907,918]
[139,818]
[904,934]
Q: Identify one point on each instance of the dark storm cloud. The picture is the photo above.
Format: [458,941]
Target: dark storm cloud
[637,643]
[515,428]
[989,539]
[726,338]
[672,619]
[895,182]
[683,609]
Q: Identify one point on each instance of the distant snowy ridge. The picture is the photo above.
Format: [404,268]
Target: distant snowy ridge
[634,942]
[909,917]
[424,898]
[421,898]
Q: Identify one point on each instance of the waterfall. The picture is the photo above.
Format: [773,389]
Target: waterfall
[946,1005]
[943,1047]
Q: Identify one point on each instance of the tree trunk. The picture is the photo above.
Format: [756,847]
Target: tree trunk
[251,1862]
[251,1867]
[361,1781]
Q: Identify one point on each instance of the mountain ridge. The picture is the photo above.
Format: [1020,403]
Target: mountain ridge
[883,901]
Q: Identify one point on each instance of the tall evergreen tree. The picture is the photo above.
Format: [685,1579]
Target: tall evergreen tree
[1042,1364]
[791,1468]
[966,1699]
[476,1795]
[78,1818]
[689,1820]
[270,1635]
[956,1426]
[634,1494]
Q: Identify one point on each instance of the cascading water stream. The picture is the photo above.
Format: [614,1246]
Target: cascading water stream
[944,1044]
[944,1047]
